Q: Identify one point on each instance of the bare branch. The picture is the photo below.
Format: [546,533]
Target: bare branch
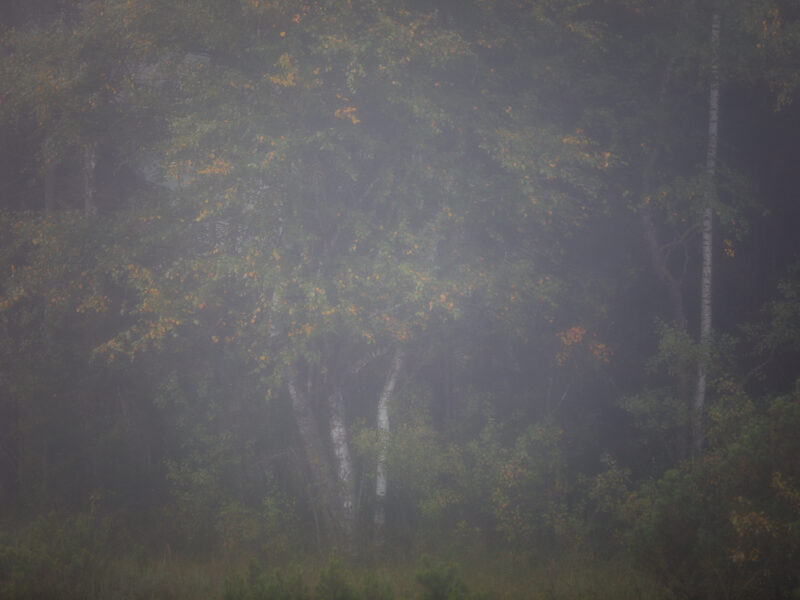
[365,360]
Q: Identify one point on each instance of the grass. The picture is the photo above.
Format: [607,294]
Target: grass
[495,576]
[72,560]
[173,579]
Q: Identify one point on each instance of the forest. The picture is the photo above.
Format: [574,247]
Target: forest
[371,300]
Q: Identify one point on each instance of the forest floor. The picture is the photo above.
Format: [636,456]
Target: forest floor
[502,577]
[80,559]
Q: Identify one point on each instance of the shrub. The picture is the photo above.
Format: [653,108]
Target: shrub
[256,585]
[726,526]
[333,584]
[55,557]
[441,582]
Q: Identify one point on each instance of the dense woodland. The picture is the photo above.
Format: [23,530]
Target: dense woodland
[514,284]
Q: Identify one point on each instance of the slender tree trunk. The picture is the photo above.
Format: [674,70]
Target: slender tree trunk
[659,254]
[324,485]
[707,225]
[381,483]
[659,259]
[89,168]
[333,504]
[344,467]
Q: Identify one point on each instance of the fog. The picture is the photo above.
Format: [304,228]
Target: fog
[387,300]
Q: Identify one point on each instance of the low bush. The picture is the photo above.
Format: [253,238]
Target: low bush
[55,557]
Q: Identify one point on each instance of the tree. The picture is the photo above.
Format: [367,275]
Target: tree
[81,93]
[662,138]
[334,202]
[707,247]
[389,267]
[330,188]
[383,428]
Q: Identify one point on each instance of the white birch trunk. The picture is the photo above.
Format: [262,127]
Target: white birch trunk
[324,487]
[381,483]
[344,463]
[707,239]
[89,167]
[272,326]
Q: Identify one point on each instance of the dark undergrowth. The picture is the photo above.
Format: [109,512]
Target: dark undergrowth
[81,557]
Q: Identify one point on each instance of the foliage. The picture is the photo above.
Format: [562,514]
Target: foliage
[332,583]
[220,221]
[256,585]
[726,525]
[55,557]
[441,582]
[529,500]
[377,588]
[608,507]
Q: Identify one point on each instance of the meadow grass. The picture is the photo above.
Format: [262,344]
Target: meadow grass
[78,565]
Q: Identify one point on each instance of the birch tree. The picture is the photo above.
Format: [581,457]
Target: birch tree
[345,179]
[707,239]
[355,154]
[71,77]
[381,481]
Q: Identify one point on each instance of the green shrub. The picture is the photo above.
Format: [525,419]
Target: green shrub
[376,588]
[529,499]
[257,585]
[333,584]
[726,525]
[441,582]
[55,557]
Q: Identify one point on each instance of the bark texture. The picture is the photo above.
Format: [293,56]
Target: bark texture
[324,485]
[344,467]
[89,168]
[669,259]
[381,482]
[322,426]
[698,407]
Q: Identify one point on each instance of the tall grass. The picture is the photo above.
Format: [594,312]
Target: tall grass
[79,557]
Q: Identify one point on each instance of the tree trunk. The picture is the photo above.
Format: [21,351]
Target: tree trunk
[659,254]
[708,216]
[331,469]
[322,480]
[344,467]
[381,483]
[659,259]
[333,503]
[89,167]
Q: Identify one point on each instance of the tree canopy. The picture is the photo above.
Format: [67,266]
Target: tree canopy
[288,273]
